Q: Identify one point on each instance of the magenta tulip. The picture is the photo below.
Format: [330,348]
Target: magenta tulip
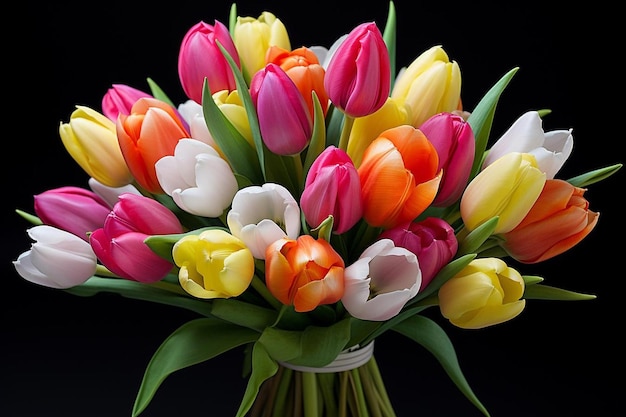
[332,187]
[284,118]
[120,246]
[358,77]
[73,209]
[120,99]
[454,141]
[432,240]
[200,58]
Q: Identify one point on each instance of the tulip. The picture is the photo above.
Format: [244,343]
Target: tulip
[149,133]
[253,37]
[284,120]
[119,243]
[381,281]
[551,149]
[111,194]
[304,272]
[454,141]
[57,259]
[200,57]
[198,179]
[358,77]
[73,209]
[213,264]
[332,187]
[431,84]
[263,214]
[507,188]
[399,177]
[432,240]
[559,219]
[90,138]
[484,293]
[120,99]
[367,128]
[304,69]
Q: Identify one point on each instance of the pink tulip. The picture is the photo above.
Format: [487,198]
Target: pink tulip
[200,58]
[120,246]
[284,119]
[332,188]
[432,240]
[73,209]
[120,99]
[454,141]
[358,77]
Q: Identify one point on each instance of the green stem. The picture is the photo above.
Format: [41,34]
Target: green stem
[374,371]
[309,388]
[260,287]
[103,271]
[358,391]
[282,405]
[345,132]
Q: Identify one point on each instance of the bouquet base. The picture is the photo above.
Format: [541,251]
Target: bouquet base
[350,386]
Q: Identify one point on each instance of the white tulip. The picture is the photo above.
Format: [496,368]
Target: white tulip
[57,259]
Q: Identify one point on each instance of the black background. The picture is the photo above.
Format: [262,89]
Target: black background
[72,356]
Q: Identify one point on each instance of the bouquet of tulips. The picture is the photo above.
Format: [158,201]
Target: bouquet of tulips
[303,202]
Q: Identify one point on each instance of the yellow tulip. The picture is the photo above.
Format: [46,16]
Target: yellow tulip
[253,37]
[367,128]
[90,138]
[232,107]
[507,188]
[484,293]
[213,264]
[430,85]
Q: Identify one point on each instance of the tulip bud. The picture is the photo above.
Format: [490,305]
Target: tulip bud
[253,37]
[213,264]
[431,84]
[381,281]
[550,149]
[486,292]
[304,272]
[454,141]
[90,138]
[149,133]
[559,220]
[358,77]
[332,187]
[73,209]
[284,120]
[57,259]
[120,246]
[432,240]
[507,188]
[200,57]
[120,99]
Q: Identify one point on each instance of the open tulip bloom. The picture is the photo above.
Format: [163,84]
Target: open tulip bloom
[302,204]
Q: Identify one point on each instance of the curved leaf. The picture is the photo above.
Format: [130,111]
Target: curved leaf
[190,344]
[263,367]
[545,292]
[592,177]
[434,339]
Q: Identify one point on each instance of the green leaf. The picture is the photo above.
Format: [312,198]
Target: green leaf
[162,244]
[481,119]
[474,239]
[321,345]
[531,279]
[194,342]
[545,292]
[158,93]
[362,330]
[434,339]
[318,138]
[282,345]
[389,36]
[592,177]
[29,217]
[263,367]
[244,314]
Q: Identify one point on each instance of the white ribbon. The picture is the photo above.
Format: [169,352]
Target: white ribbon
[347,360]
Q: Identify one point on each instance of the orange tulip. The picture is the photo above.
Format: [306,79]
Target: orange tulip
[559,219]
[399,177]
[149,133]
[304,273]
[304,69]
